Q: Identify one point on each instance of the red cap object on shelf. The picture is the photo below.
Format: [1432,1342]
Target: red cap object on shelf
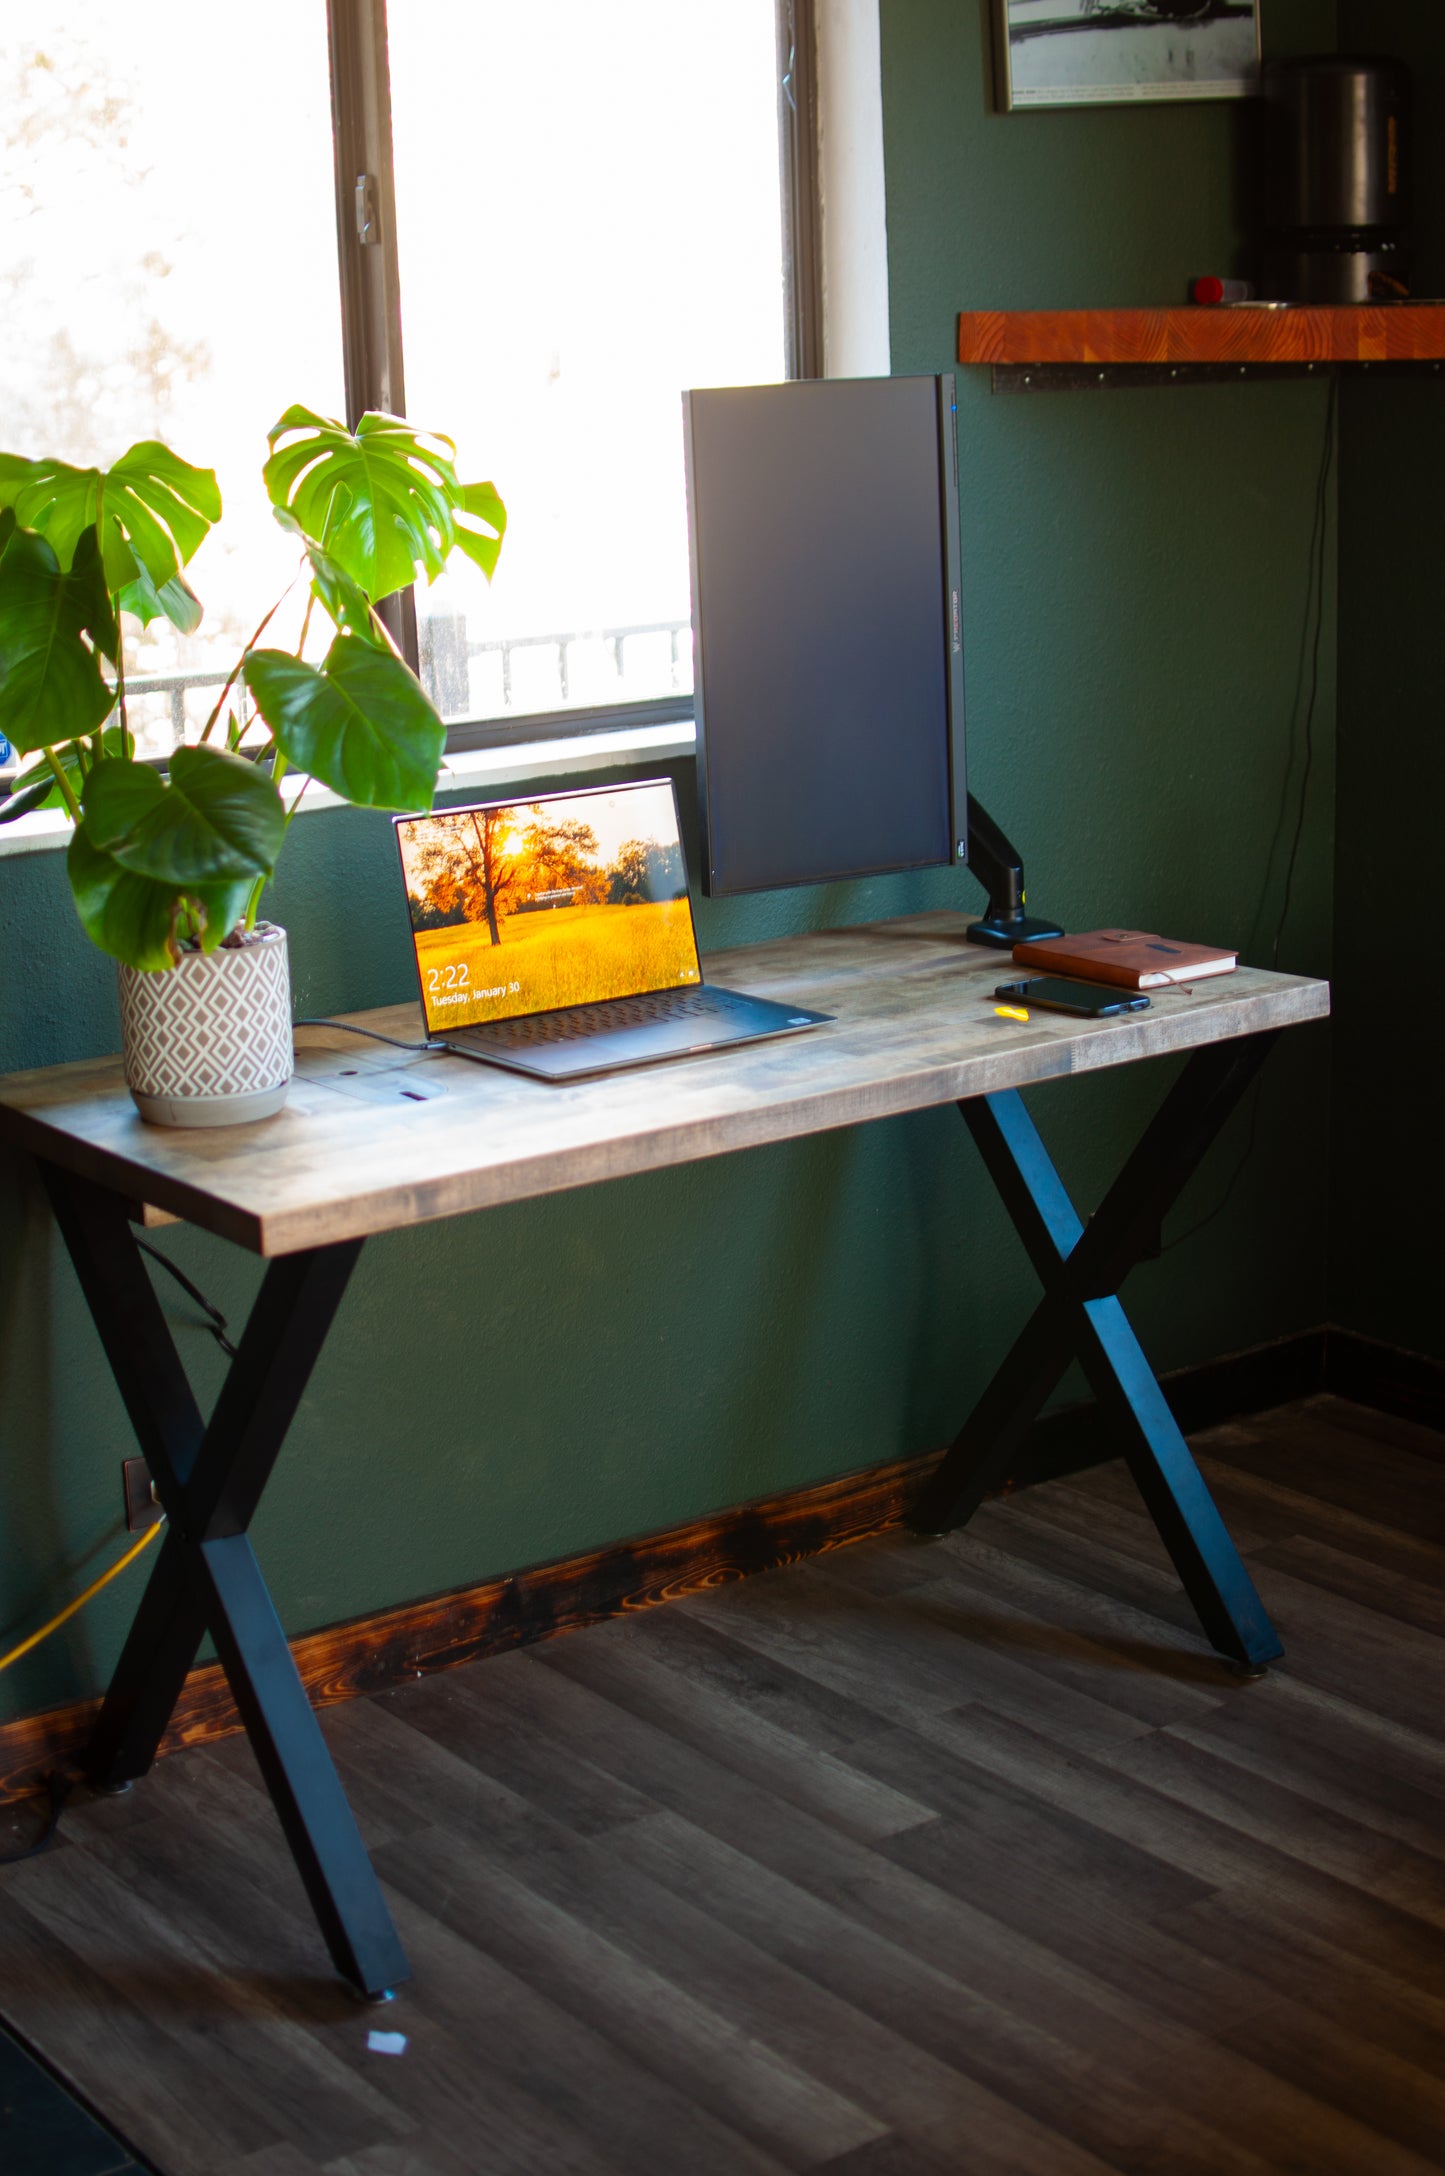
[1213,289]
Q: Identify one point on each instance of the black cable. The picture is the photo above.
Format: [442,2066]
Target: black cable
[1233,1180]
[216,1322]
[1314,609]
[58,1787]
[1315,552]
[1321,527]
[348,1027]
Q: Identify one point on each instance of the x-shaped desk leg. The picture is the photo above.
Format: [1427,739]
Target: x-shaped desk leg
[210,1477]
[1081,1268]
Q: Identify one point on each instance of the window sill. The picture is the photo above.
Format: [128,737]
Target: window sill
[484,771]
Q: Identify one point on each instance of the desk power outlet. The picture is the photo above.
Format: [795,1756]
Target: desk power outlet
[142,1505]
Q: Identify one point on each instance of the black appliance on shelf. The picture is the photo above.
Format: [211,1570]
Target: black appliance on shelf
[1337,189]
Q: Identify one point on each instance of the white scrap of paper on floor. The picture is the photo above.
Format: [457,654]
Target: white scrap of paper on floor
[386,2043]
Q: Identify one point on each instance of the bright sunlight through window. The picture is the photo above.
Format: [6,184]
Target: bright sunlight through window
[588,221]
[168,270]
[593,225]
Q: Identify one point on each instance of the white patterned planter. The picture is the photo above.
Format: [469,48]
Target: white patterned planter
[208,1043]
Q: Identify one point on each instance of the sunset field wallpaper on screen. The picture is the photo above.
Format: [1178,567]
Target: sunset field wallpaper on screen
[526,906]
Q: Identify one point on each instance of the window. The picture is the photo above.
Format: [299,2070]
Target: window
[168,270]
[568,265]
[570,213]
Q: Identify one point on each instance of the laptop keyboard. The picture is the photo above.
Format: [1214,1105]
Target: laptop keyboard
[589,1020]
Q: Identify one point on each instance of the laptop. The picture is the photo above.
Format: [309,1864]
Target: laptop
[555,936]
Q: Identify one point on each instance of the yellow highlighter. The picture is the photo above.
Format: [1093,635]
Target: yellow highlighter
[1011,1012]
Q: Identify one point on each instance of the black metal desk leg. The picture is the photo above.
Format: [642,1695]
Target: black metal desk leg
[210,1478]
[1208,1564]
[981,1456]
[304,1786]
[159,1650]
[170,1623]
[1080,1315]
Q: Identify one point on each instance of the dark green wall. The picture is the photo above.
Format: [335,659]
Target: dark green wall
[561,1374]
[1388,1177]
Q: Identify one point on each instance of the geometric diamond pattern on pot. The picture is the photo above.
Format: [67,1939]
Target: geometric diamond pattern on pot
[216,1024]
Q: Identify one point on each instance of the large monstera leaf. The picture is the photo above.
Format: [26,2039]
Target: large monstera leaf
[359,723]
[55,624]
[38,787]
[480,535]
[146,851]
[384,502]
[153,509]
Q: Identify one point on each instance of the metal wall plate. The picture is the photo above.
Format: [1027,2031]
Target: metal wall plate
[141,1509]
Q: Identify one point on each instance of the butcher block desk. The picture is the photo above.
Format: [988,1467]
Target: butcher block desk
[373,1140]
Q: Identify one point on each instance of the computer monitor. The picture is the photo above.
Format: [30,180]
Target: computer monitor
[824,531]
[828,653]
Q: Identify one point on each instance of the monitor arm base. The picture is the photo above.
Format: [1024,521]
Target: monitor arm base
[996,864]
[1004,933]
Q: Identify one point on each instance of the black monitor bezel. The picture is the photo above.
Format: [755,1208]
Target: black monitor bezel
[951,628]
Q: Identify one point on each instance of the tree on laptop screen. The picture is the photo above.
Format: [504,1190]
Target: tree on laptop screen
[526,906]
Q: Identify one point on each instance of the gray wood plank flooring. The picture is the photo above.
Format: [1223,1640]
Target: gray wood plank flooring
[958,1858]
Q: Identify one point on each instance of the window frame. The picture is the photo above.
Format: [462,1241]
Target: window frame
[371,312]
[371,283]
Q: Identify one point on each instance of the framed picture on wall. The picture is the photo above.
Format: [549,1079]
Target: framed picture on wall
[1111,52]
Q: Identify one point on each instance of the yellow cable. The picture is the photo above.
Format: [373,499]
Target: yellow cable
[80,1601]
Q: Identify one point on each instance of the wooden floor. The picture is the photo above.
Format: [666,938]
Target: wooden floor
[957,1856]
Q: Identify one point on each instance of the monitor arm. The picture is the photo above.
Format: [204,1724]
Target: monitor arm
[995,862]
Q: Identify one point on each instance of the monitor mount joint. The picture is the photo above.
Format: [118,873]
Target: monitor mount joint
[996,864]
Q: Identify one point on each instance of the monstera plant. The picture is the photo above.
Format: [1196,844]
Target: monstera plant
[165,860]
[168,865]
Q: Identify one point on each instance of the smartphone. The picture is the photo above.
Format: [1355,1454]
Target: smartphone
[1080,1000]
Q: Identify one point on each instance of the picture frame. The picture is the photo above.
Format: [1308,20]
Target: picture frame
[1123,52]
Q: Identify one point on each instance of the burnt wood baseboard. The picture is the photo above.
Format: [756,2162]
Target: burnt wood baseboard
[1078,1436]
[1406,1384]
[1361,1369]
[368,1654]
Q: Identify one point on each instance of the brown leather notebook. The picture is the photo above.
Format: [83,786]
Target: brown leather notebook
[1131,959]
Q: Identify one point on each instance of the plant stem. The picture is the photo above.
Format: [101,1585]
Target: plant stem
[127,738]
[235,673]
[66,789]
[127,742]
[253,904]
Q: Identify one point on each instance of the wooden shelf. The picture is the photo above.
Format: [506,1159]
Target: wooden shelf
[1199,340]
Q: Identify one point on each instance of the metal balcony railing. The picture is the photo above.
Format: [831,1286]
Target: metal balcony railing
[447,654]
[446,670]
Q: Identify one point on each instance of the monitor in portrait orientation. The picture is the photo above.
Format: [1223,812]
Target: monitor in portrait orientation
[823,526]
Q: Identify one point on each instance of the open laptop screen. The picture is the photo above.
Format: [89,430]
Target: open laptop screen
[524,906]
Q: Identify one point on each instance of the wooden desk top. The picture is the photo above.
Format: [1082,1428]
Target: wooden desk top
[374,1139]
